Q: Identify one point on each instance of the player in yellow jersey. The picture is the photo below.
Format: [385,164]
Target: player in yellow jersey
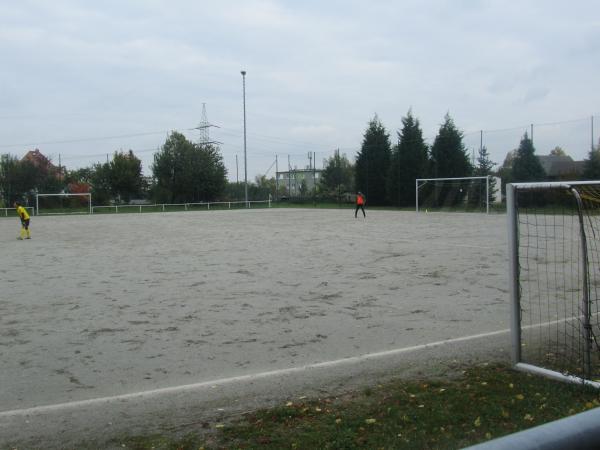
[24,216]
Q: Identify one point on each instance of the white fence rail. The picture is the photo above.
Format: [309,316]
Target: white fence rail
[165,207]
[4,211]
[157,207]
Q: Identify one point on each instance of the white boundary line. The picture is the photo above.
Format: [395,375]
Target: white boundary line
[243,378]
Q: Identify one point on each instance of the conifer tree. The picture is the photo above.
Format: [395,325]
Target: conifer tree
[526,166]
[409,162]
[372,163]
[449,159]
[591,170]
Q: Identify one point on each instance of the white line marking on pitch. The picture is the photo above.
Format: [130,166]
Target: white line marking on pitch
[243,378]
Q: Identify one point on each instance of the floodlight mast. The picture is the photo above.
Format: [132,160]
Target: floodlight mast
[243,72]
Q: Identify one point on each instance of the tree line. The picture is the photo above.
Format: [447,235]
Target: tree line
[183,171]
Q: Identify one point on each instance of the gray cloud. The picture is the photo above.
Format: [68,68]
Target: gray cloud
[317,72]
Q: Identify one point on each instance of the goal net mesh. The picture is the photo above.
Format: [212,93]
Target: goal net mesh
[558,273]
[461,195]
[63,204]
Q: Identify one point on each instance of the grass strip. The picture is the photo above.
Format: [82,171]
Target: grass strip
[483,403]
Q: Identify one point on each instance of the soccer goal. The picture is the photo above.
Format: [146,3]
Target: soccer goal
[554,237]
[455,194]
[48,204]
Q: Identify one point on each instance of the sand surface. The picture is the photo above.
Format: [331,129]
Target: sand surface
[105,305]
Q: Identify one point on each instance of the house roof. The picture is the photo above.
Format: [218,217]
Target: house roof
[557,165]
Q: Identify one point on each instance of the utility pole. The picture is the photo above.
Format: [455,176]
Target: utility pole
[531,134]
[315,173]
[276,179]
[289,178]
[237,176]
[592,146]
[243,72]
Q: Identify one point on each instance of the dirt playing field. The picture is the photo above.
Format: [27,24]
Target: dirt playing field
[105,306]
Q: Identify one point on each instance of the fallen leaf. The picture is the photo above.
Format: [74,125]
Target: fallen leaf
[370,421]
[520,397]
[477,422]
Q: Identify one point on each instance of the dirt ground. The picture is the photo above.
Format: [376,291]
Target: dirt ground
[109,305]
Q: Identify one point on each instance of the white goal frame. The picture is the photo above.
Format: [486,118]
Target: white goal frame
[88,195]
[419,182]
[584,314]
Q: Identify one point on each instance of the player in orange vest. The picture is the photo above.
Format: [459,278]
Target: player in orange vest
[360,203]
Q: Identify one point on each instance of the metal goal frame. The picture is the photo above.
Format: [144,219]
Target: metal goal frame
[512,189]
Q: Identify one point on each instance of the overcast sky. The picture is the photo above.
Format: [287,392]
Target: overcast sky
[83,79]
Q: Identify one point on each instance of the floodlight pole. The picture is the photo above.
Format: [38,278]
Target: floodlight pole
[243,72]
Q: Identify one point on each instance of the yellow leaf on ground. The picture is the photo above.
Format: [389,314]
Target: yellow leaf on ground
[370,421]
[520,397]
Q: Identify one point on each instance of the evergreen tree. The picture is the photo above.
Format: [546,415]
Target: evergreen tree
[449,159]
[483,169]
[372,163]
[526,166]
[409,162]
[591,170]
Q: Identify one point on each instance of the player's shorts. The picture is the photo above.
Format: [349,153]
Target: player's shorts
[25,223]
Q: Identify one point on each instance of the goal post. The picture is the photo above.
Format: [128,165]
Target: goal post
[53,204]
[473,192]
[554,269]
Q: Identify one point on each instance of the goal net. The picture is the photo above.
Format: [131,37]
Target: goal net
[468,194]
[46,204]
[554,232]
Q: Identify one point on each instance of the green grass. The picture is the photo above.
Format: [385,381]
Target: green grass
[483,403]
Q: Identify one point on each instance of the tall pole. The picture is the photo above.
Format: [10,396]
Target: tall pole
[237,173]
[531,134]
[276,179]
[592,146]
[243,72]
